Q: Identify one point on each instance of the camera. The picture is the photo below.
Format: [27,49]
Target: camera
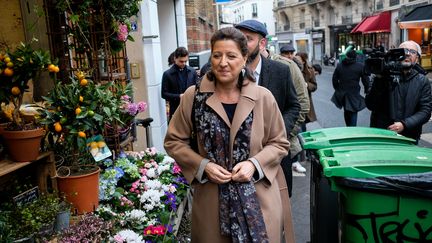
[389,62]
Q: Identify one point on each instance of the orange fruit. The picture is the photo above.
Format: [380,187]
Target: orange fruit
[56,69]
[94,145]
[101,144]
[83,82]
[81,134]
[15,91]
[51,67]
[80,75]
[57,127]
[77,111]
[81,99]
[9,64]
[8,72]
[7,59]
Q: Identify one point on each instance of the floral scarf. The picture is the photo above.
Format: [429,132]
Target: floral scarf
[240,213]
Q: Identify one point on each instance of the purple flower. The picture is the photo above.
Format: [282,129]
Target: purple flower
[132,109]
[125,98]
[171,200]
[122,33]
[119,173]
[122,154]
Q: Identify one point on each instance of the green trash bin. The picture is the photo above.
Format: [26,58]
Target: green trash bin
[323,201]
[385,192]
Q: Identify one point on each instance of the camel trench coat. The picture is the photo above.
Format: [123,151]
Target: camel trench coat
[268,145]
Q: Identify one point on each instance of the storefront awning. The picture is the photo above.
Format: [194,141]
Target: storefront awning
[420,17]
[374,24]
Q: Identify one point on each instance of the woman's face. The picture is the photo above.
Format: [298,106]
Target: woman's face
[227,61]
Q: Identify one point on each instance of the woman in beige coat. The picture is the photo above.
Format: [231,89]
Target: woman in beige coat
[239,189]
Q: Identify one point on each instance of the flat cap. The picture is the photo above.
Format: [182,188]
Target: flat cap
[254,26]
[287,48]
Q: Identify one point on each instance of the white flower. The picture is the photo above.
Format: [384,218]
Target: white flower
[136,215]
[153,184]
[168,160]
[162,168]
[128,236]
[151,173]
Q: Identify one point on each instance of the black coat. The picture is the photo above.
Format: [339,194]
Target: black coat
[276,77]
[171,88]
[408,101]
[346,83]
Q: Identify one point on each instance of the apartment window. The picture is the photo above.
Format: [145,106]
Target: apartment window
[394,2]
[380,5]
[254,10]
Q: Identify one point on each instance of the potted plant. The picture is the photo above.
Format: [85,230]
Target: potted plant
[34,219]
[90,228]
[17,68]
[74,112]
[128,110]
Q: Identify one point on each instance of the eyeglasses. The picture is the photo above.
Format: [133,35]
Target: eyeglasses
[410,52]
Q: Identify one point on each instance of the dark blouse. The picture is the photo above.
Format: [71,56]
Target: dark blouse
[230,110]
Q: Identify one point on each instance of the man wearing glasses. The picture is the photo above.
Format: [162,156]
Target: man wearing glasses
[401,102]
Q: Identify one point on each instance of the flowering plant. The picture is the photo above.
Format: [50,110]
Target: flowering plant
[130,109]
[90,228]
[17,68]
[140,191]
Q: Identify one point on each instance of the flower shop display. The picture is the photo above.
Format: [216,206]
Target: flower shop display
[74,112]
[17,68]
[140,193]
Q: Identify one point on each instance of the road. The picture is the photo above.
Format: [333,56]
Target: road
[328,116]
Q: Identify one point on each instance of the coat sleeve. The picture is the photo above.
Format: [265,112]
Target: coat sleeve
[335,78]
[311,82]
[276,146]
[166,91]
[291,109]
[177,139]
[424,107]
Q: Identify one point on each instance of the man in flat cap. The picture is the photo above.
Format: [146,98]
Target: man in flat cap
[274,76]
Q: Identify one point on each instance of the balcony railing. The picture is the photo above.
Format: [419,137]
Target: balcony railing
[347,19]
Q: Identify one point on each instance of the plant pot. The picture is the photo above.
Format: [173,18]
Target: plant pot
[62,220]
[23,146]
[82,191]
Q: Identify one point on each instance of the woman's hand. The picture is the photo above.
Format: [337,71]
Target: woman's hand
[217,173]
[243,171]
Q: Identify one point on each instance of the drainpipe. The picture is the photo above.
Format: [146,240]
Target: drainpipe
[175,20]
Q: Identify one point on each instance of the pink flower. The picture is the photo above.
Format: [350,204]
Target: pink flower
[142,106]
[118,239]
[122,33]
[176,169]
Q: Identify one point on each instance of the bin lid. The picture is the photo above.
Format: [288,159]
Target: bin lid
[350,136]
[375,161]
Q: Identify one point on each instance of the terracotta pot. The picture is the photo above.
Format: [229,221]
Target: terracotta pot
[82,191]
[23,146]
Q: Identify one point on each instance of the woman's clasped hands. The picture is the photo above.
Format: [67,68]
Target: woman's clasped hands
[242,172]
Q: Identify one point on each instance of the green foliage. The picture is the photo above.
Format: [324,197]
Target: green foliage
[17,68]
[96,105]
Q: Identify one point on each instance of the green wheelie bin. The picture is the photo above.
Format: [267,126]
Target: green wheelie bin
[385,192]
[323,201]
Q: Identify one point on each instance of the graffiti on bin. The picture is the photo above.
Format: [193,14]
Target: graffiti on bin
[392,231]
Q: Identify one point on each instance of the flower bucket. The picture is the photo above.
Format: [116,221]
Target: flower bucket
[82,191]
[62,221]
[23,146]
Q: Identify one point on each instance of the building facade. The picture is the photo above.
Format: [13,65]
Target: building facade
[321,27]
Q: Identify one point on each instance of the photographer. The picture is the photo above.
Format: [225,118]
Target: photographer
[400,98]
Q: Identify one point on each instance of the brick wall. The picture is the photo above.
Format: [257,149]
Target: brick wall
[200,22]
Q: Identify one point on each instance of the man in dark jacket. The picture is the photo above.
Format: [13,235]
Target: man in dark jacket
[402,103]
[346,83]
[177,79]
[274,76]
